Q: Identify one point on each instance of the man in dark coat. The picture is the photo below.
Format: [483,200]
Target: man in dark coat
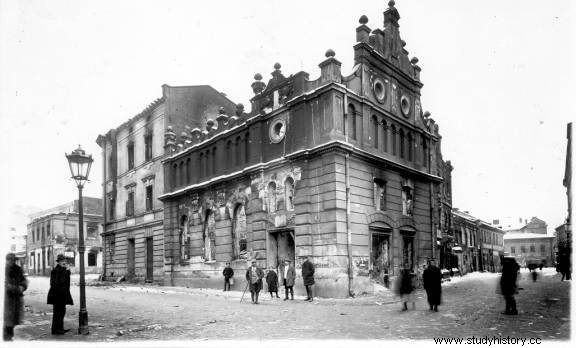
[288,274]
[272,281]
[228,273]
[308,277]
[508,284]
[254,276]
[59,295]
[14,286]
[432,278]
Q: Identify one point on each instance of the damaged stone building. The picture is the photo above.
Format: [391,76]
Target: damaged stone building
[345,169]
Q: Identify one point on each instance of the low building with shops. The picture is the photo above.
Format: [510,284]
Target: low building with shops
[490,241]
[55,231]
[465,251]
[133,179]
[342,169]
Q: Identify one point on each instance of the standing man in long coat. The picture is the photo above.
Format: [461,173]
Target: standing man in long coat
[508,284]
[308,278]
[59,294]
[14,286]
[432,278]
[254,276]
[288,274]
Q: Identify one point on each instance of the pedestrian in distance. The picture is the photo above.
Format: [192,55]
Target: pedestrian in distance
[508,284]
[405,285]
[272,282]
[59,294]
[228,273]
[15,283]
[254,276]
[288,277]
[534,275]
[432,279]
[308,278]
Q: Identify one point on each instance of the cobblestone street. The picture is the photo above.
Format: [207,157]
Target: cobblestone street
[121,312]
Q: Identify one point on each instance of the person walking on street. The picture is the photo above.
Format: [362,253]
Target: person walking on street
[432,279]
[308,278]
[508,284]
[272,281]
[254,276]
[406,287]
[228,273]
[59,294]
[288,278]
[15,283]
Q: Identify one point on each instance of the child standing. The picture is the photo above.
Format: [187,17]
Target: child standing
[228,273]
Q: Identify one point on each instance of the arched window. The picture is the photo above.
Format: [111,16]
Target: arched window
[239,235]
[209,237]
[384,136]
[375,131]
[410,146]
[238,158]
[200,169]
[402,145]
[175,175]
[183,173]
[214,162]
[424,152]
[184,239]
[394,142]
[188,171]
[352,116]
[271,197]
[207,164]
[247,148]
[229,152]
[289,194]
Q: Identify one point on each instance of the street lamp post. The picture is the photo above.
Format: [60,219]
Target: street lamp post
[80,164]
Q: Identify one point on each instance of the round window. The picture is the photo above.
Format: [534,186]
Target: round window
[405,105]
[277,130]
[379,90]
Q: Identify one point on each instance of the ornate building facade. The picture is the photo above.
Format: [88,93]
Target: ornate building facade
[345,169]
[133,175]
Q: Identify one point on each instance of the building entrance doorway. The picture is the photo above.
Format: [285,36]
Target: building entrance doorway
[380,256]
[281,247]
[131,259]
[149,259]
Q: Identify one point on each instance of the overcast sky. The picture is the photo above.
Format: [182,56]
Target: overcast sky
[498,78]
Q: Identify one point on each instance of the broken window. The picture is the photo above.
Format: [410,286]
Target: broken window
[271,197]
[184,239]
[210,237]
[289,194]
[380,194]
[407,201]
[239,235]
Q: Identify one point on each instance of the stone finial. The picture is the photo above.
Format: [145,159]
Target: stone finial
[222,118]
[186,138]
[209,124]
[277,66]
[363,20]
[403,43]
[277,74]
[330,53]
[169,140]
[414,60]
[258,86]
[221,111]
[426,114]
[363,31]
[196,134]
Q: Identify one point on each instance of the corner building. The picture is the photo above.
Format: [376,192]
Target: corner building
[342,169]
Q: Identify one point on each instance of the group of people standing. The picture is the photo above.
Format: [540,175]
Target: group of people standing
[287,276]
[432,281]
[16,283]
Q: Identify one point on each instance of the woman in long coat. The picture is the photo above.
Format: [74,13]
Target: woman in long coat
[59,294]
[432,278]
[272,281]
[14,286]
[508,284]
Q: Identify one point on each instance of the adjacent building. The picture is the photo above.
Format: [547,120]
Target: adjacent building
[132,155]
[465,251]
[531,248]
[490,241]
[345,169]
[55,231]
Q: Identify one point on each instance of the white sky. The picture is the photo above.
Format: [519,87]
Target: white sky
[498,78]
